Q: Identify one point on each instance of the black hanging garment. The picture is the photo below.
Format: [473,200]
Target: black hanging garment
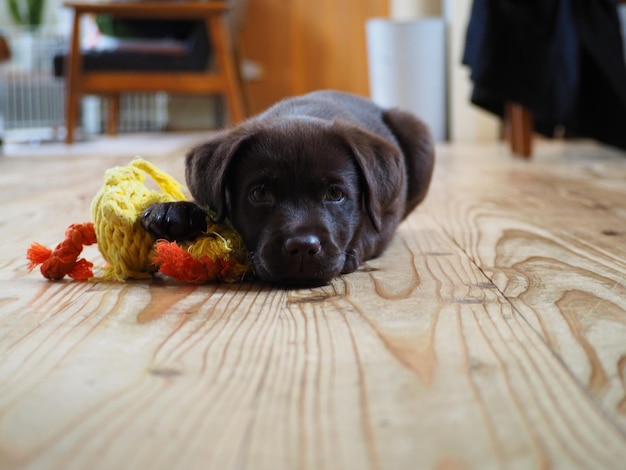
[561,59]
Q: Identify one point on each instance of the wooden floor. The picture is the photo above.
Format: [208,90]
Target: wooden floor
[492,334]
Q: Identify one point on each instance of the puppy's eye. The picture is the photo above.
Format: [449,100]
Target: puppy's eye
[335,194]
[260,195]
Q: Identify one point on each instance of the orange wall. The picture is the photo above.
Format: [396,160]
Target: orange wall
[304,45]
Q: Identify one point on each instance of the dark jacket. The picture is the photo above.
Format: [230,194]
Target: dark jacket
[562,59]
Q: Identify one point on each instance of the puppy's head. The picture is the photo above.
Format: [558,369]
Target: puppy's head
[299,192]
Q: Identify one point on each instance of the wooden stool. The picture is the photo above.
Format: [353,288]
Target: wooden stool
[223,79]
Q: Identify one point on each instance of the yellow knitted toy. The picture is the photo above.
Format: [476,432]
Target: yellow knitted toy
[116,213]
[130,251]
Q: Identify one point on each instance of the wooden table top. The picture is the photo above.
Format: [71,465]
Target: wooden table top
[174,9]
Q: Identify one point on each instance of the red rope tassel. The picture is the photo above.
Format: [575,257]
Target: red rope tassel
[63,260]
[175,262]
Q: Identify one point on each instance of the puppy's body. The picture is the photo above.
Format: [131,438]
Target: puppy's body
[315,185]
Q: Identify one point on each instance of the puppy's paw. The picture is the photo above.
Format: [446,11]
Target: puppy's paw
[174,221]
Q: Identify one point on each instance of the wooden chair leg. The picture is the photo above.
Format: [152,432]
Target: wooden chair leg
[113,114]
[520,129]
[71,115]
[241,83]
[72,74]
[220,38]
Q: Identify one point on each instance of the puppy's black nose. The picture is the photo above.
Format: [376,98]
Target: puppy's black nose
[303,245]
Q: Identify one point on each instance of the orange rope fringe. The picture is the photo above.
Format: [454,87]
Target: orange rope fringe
[175,262]
[63,260]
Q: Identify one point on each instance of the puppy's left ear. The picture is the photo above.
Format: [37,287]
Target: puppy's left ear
[383,170]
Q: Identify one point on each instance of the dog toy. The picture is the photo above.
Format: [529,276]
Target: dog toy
[128,249]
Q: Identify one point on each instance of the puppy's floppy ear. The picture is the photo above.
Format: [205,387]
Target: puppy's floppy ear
[382,168]
[206,169]
[418,147]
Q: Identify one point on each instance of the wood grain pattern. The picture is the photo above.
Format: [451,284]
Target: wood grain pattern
[304,46]
[492,334]
[555,245]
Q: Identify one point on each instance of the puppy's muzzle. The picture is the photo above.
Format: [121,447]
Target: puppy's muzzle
[303,258]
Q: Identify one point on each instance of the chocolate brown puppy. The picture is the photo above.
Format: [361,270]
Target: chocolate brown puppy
[315,185]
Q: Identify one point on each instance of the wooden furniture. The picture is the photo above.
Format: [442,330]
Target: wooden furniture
[519,129]
[221,78]
[305,45]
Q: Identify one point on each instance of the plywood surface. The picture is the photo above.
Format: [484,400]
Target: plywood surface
[492,334]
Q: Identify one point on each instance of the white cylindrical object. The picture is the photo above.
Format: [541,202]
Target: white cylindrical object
[407,68]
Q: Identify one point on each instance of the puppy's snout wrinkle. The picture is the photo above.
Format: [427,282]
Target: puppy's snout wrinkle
[303,245]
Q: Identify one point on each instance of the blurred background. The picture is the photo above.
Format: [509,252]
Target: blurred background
[392,50]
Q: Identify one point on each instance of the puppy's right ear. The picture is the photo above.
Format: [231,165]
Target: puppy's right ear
[207,166]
